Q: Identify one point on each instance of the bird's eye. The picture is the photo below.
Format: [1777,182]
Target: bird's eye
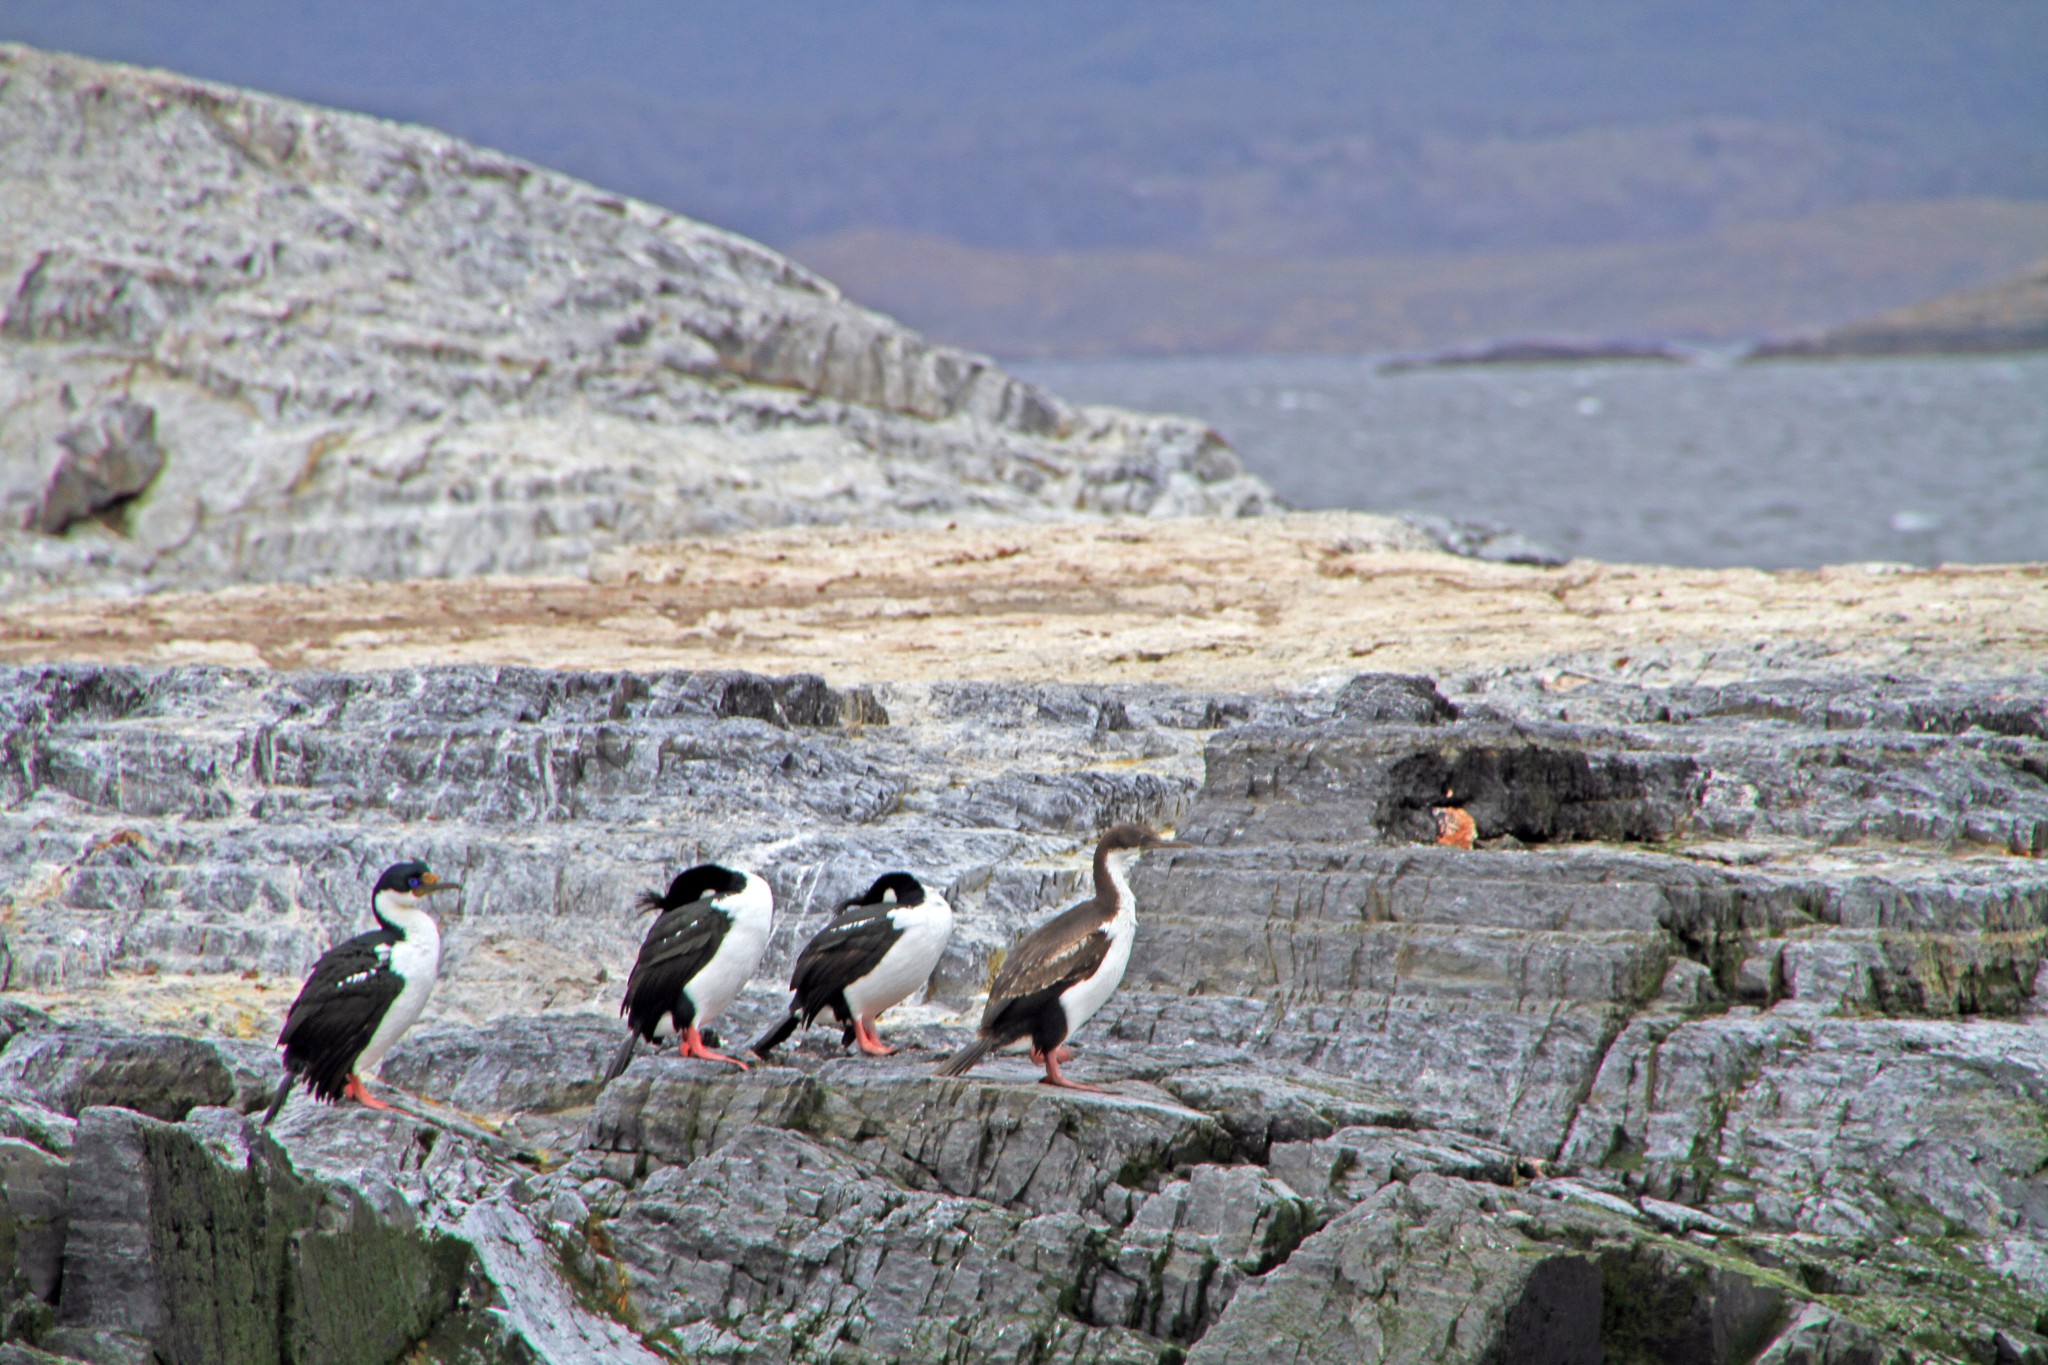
[412,881]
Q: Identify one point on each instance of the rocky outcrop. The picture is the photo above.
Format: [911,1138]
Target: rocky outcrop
[266,341]
[864,1211]
[1539,351]
[1719,1046]
[1488,540]
[2009,316]
[205,823]
[104,458]
[163,1075]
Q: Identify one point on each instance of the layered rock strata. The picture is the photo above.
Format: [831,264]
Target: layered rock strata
[244,339]
[1721,1045]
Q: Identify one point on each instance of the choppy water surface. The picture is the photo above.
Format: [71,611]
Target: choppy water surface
[1775,465]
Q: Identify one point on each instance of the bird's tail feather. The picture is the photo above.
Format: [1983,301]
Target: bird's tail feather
[623,1058]
[959,1062]
[774,1037]
[284,1090]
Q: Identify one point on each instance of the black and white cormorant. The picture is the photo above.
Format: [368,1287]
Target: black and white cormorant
[364,993]
[1060,973]
[879,948]
[711,931]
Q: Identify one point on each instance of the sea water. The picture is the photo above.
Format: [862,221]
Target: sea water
[1709,462]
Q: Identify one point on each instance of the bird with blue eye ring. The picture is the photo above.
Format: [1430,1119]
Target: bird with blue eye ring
[365,993]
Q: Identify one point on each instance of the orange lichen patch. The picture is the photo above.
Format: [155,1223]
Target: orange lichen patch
[226,1005]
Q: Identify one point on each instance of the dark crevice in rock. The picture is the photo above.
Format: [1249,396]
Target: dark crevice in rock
[1557,1319]
[1355,784]
[801,699]
[1656,1310]
[1542,795]
[1608,1036]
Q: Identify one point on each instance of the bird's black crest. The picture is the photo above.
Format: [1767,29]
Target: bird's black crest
[406,876]
[907,889]
[1130,835]
[705,879]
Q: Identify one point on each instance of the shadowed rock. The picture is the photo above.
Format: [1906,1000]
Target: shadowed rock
[165,1076]
[198,1242]
[109,455]
[1434,1268]
[35,1150]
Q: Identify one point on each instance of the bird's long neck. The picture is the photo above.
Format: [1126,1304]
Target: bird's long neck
[1112,881]
[403,915]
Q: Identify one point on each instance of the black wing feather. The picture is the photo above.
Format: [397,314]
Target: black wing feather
[678,946]
[842,953]
[338,1010]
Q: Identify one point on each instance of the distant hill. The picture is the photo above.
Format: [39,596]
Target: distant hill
[1733,285]
[2009,316]
[1139,179]
[1315,144]
[1958,73]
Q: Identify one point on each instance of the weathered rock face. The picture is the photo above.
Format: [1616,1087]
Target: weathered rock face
[208,822]
[854,1211]
[301,342]
[199,1241]
[1721,1045]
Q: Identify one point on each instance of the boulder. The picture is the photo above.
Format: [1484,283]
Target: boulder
[163,1075]
[1438,1269]
[35,1166]
[198,1242]
[104,458]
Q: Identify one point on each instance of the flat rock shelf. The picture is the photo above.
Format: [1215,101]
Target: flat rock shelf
[1722,1045]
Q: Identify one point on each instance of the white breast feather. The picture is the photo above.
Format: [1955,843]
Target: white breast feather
[908,963]
[1081,1000]
[417,958]
[718,984]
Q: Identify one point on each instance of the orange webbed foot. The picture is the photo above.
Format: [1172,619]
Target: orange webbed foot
[870,1042]
[360,1093]
[693,1046]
